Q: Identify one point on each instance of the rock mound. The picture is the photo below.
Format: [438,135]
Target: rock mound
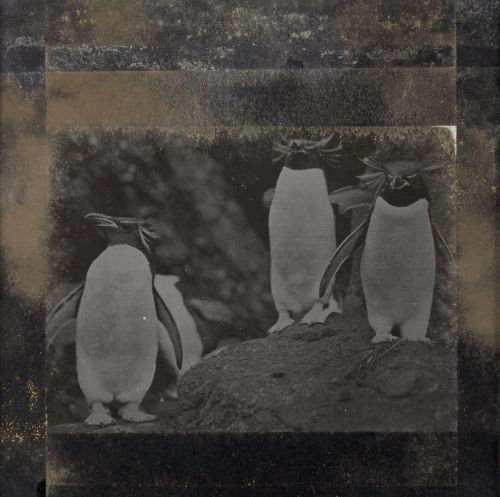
[322,378]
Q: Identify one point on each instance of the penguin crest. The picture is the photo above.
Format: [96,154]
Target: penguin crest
[399,184]
[300,154]
[136,232]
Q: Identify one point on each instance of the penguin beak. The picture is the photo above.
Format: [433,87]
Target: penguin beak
[297,148]
[100,220]
[298,151]
[397,183]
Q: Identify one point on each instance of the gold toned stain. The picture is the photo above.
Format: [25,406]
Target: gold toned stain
[33,395]
[477,275]
[117,22]
[14,432]
[114,99]
[107,22]
[211,98]
[476,234]
[25,176]
[16,110]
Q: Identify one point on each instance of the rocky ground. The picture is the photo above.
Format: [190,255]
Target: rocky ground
[323,378]
[319,378]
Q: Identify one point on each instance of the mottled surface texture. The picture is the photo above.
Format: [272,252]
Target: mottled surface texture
[322,97]
[149,63]
[212,34]
[478,35]
[322,379]
[478,372]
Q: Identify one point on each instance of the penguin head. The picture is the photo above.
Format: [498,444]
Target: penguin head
[399,183]
[133,231]
[302,154]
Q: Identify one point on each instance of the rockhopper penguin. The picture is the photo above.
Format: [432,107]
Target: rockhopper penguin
[398,262]
[121,322]
[301,232]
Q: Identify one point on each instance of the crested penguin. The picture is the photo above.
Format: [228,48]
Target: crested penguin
[398,261]
[301,232]
[122,322]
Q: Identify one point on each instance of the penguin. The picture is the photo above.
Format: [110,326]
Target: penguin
[398,261]
[192,344]
[301,232]
[344,201]
[121,322]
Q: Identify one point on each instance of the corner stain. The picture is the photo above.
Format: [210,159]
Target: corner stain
[24,195]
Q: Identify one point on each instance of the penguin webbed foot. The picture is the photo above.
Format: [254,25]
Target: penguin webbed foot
[318,314]
[130,412]
[99,418]
[283,322]
[384,337]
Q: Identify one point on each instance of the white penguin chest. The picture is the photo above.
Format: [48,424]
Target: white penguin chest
[400,232]
[398,261]
[118,295]
[302,237]
[300,211]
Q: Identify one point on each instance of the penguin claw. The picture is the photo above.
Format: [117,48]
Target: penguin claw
[280,325]
[137,417]
[386,337]
[99,419]
[318,314]
[315,317]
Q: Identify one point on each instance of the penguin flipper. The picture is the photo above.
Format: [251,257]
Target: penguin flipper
[343,252]
[62,313]
[166,319]
[166,349]
[350,198]
[65,334]
[267,198]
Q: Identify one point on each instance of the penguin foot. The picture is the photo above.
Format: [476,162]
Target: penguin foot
[319,315]
[384,337]
[132,414]
[316,316]
[100,418]
[280,325]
